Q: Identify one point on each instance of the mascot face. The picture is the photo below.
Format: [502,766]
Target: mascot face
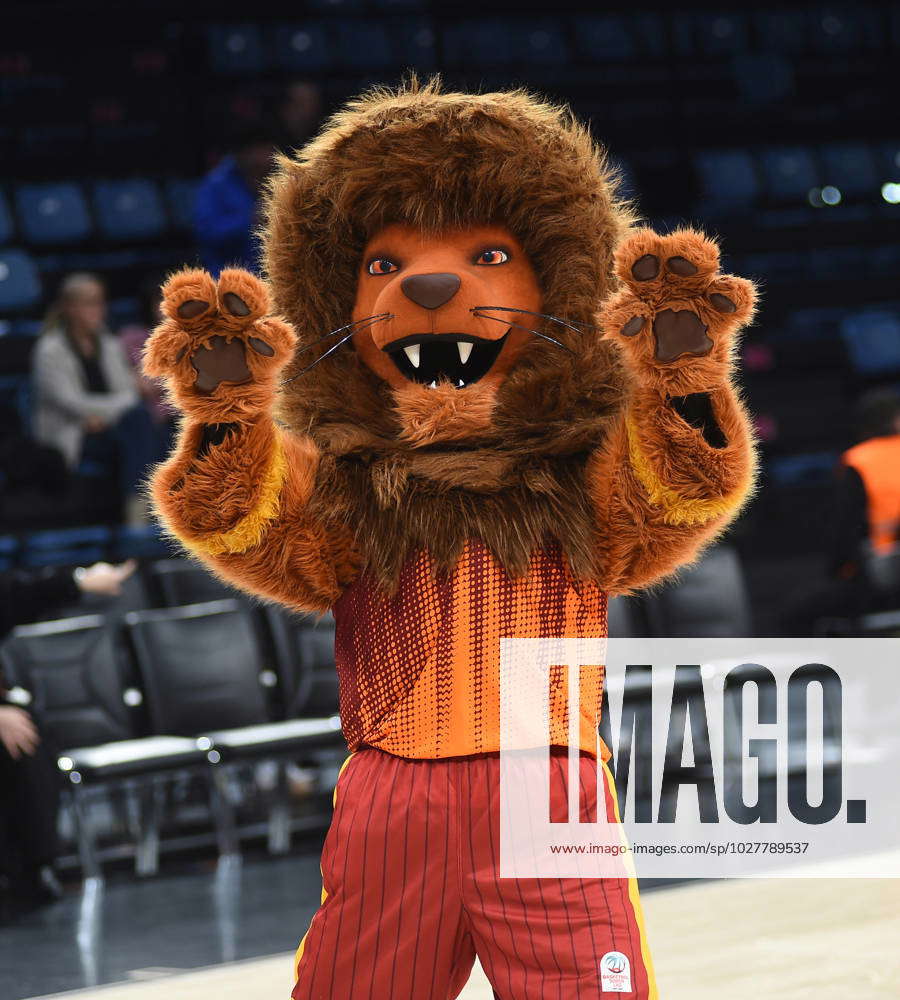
[440,299]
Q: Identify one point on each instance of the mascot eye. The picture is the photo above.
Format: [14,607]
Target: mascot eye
[492,257]
[381,265]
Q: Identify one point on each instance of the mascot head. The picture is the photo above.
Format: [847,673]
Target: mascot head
[442,257]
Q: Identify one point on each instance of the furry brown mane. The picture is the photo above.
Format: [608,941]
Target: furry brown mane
[440,160]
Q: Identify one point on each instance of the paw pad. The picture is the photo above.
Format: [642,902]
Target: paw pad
[235,304]
[192,308]
[220,360]
[645,268]
[680,332]
[681,266]
[633,327]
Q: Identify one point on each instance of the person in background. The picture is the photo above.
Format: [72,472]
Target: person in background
[225,213]
[28,772]
[863,557]
[132,337]
[300,113]
[87,403]
[868,510]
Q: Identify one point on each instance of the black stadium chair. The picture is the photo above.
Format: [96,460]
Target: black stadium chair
[707,600]
[71,674]
[304,657]
[203,672]
[176,582]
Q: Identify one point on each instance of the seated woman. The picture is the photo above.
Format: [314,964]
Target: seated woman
[87,403]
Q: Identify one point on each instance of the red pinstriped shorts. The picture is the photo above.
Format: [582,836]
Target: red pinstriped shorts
[411,894]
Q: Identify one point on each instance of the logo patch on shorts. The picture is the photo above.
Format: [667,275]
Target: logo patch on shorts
[615,973]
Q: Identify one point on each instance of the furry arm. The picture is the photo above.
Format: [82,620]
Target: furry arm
[236,489]
[681,462]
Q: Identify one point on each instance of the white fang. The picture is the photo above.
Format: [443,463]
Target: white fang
[465,349]
[413,352]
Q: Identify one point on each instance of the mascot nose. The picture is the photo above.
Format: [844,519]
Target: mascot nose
[430,290]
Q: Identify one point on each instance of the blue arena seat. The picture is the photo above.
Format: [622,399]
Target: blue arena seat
[728,180]
[720,33]
[417,38]
[301,48]
[843,28]
[53,213]
[364,45]
[20,285]
[340,6]
[850,167]
[145,541]
[783,30]
[235,48]
[181,194]
[15,391]
[763,77]
[872,338]
[9,548]
[481,43]
[605,38]
[129,209]
[803,469]
[67,546]
[541,42]
[789,173]
[6,222]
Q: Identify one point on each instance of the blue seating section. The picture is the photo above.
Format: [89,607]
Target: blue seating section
[750,121]
[129,210]
[53,213]
[66,546]
[83,545]
[20,285]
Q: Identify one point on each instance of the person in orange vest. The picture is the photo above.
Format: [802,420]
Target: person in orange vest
[865,524]
[870,486]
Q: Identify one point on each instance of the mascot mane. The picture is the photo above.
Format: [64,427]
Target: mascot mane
[438,161]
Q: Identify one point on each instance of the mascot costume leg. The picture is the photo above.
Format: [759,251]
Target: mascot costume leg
[470,401]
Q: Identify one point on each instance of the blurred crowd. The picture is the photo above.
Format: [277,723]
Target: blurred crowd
[96,423]
[96,427]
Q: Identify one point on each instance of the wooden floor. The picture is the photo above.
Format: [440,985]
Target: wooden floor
[794,939]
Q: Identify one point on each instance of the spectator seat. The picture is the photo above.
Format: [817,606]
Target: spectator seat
[67,546]
[178,582]
[236,49]
[71,673]
[20,285]
[55,213]
[129,209]
[304,655]
[708,599]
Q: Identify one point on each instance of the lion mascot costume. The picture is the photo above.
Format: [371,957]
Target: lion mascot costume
[470,401]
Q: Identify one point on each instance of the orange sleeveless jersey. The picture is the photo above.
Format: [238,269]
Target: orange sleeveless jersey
[419,669]
[878,463]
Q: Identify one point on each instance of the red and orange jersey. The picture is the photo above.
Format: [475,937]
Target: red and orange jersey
[419,669]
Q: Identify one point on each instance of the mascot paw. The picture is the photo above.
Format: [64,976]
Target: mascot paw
[217,349]
[676,315]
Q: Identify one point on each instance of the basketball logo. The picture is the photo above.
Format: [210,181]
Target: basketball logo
[615,973]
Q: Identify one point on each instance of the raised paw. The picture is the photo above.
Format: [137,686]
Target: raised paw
[218,349]
[674,307]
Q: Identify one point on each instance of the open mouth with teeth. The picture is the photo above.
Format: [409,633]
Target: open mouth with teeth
[457,358]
